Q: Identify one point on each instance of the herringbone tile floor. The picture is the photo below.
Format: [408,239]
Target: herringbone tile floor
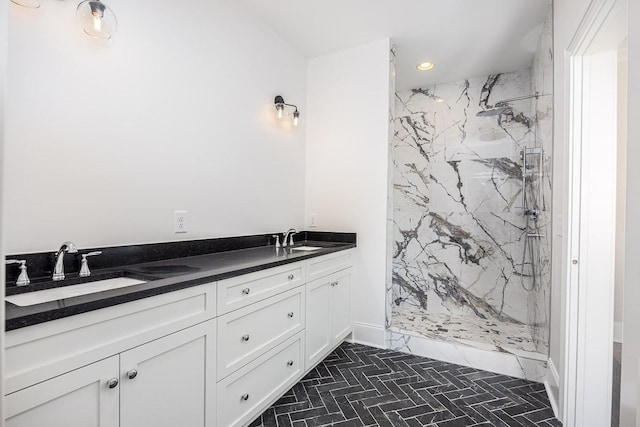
[364,386]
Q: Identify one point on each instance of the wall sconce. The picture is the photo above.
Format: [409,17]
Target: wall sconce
[96,19]
[92,16]
[280,106]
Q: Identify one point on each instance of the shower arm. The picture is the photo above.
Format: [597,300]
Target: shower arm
[519,98]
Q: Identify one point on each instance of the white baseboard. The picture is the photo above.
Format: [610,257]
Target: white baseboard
[552,385]
[617,332]
[368,334]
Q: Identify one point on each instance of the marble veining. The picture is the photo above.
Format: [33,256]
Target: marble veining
[470,221]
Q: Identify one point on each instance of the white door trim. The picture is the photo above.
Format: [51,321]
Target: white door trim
[588,308]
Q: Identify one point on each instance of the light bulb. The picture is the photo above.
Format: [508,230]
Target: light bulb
[96,19]
[280,109]
[97,23]
[296,117]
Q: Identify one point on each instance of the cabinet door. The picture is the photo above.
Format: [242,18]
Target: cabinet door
[80,398]
[341,306]
[170,381]
[318,325]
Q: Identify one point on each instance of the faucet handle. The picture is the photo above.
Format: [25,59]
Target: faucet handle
[23,278]
[84,268]
[277,237]
[291,237]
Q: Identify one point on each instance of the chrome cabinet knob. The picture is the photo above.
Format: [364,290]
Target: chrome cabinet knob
[245,338]
[112,383]
[334,283]
[290,363]
[132,374]
[290,315]
[291,276]
[246,291]
[245,396]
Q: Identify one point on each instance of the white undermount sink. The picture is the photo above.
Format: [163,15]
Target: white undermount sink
[306,248]
[70,291]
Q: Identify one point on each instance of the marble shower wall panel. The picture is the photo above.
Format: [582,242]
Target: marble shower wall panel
[390,245]
[542,81]
[459,232]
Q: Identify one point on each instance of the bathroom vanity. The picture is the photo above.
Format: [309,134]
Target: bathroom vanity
[213,346]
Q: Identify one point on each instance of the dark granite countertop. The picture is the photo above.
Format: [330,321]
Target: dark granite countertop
[163,276]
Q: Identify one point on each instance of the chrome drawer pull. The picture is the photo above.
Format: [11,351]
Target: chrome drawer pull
[291,277]
[245,397]
[290,363]
[112,383]
[132,374]
[246,291]
[245,338]
[290,315]
[334,283]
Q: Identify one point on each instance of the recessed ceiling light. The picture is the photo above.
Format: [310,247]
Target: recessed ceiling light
[425,66]
[439,100]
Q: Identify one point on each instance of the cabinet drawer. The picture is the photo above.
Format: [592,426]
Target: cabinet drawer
[241,291]
[245,394]
[327,264]
[246,333]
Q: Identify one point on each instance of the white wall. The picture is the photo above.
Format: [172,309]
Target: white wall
[621,189]
[347,164]
[104,142]
[4,19]
[630,389]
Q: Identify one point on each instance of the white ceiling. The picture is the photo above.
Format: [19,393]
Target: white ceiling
[464,38]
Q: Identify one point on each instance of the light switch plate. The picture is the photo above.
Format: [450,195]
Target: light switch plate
[179,221]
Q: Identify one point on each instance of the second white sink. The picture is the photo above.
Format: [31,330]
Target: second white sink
[54,294]
[306,248]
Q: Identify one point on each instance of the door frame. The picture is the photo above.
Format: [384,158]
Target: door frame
[590,256]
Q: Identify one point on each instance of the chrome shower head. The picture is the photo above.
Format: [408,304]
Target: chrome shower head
[495,112]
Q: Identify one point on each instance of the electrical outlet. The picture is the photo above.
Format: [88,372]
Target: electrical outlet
[313,220]
[179,221]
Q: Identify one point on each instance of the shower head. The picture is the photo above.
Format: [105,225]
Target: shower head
[495,112]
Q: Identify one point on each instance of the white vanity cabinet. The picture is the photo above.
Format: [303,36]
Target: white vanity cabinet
[165,382]
[328,315]
[216,354]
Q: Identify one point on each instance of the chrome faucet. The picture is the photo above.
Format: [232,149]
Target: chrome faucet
[288,236]
[58,272]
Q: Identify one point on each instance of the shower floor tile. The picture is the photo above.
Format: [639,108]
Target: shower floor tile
[358,385]
[473,331]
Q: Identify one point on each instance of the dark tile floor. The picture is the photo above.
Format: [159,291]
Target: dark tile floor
[615,395]
[364,386]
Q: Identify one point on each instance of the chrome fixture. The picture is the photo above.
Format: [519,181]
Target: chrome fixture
[68,247]
[84,267]
[96,19]
[23,278]
[277,237]
[280,109]
[503,107]
[288,236]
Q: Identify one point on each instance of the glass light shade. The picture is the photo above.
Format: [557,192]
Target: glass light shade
[296,117]
[96,19]
[31,4]
[280,109]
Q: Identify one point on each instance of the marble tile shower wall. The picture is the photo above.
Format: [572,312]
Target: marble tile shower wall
[458,226]
[539,301]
